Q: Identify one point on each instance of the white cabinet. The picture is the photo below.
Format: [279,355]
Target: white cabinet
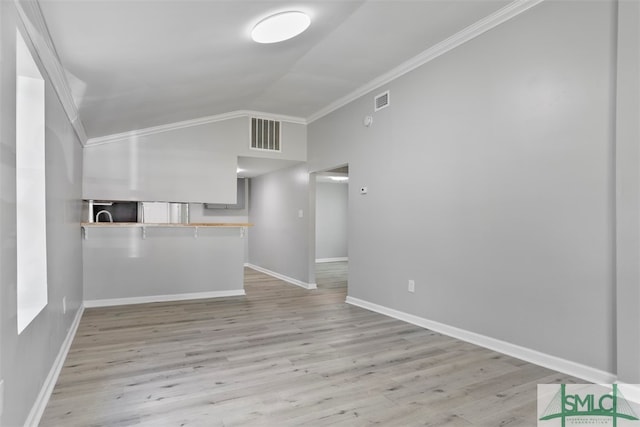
[240,196]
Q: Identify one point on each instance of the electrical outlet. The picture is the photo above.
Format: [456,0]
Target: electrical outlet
[412,286]
[300,213]
[64,305]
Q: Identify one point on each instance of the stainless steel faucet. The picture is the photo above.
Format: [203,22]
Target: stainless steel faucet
[108,215]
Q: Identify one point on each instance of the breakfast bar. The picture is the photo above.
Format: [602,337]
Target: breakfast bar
[128,263]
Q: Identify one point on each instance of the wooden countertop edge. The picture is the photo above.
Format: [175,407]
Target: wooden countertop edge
[193,224]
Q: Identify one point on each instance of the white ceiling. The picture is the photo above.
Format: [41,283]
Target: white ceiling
[133,64]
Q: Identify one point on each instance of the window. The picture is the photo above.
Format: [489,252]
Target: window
[31,233]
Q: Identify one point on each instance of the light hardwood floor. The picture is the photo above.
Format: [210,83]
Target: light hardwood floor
[283,356]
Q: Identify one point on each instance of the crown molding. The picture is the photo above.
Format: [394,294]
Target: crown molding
[38,36]
[277,117]
[480,27]
[189,123]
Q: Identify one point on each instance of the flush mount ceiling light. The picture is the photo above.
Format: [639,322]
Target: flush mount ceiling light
[340,178]
[280,27]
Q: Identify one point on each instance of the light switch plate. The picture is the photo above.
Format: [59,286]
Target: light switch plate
[412,286]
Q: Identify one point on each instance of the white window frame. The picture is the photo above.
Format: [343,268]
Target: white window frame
[31,218]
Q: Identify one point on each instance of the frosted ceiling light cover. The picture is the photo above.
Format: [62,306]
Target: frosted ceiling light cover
[280,27]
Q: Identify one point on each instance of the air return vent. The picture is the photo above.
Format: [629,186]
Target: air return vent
[382,101]
[265,134]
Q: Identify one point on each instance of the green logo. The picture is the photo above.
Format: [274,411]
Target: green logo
[588,405]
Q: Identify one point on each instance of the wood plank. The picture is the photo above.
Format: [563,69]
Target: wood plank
[283,356]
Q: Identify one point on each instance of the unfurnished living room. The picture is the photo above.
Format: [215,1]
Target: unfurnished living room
[319,213]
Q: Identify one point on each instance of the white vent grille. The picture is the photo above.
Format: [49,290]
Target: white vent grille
[265,134]
[382,101]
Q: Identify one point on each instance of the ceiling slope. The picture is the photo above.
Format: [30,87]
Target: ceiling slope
[136,64]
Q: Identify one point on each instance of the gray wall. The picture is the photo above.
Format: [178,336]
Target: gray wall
[491,184]
[628,193]
[119,263]
[278,241]
[331,220]
[26,360]
[195,164]
[189,164]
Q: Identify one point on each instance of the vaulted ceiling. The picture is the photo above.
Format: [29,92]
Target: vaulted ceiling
[133,64]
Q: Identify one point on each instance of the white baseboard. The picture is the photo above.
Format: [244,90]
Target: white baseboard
[631,392]
[161,298]
[548,361]
[339,259]
[33,419]
[283,277]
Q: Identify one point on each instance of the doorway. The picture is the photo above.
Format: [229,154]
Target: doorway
[331,228]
